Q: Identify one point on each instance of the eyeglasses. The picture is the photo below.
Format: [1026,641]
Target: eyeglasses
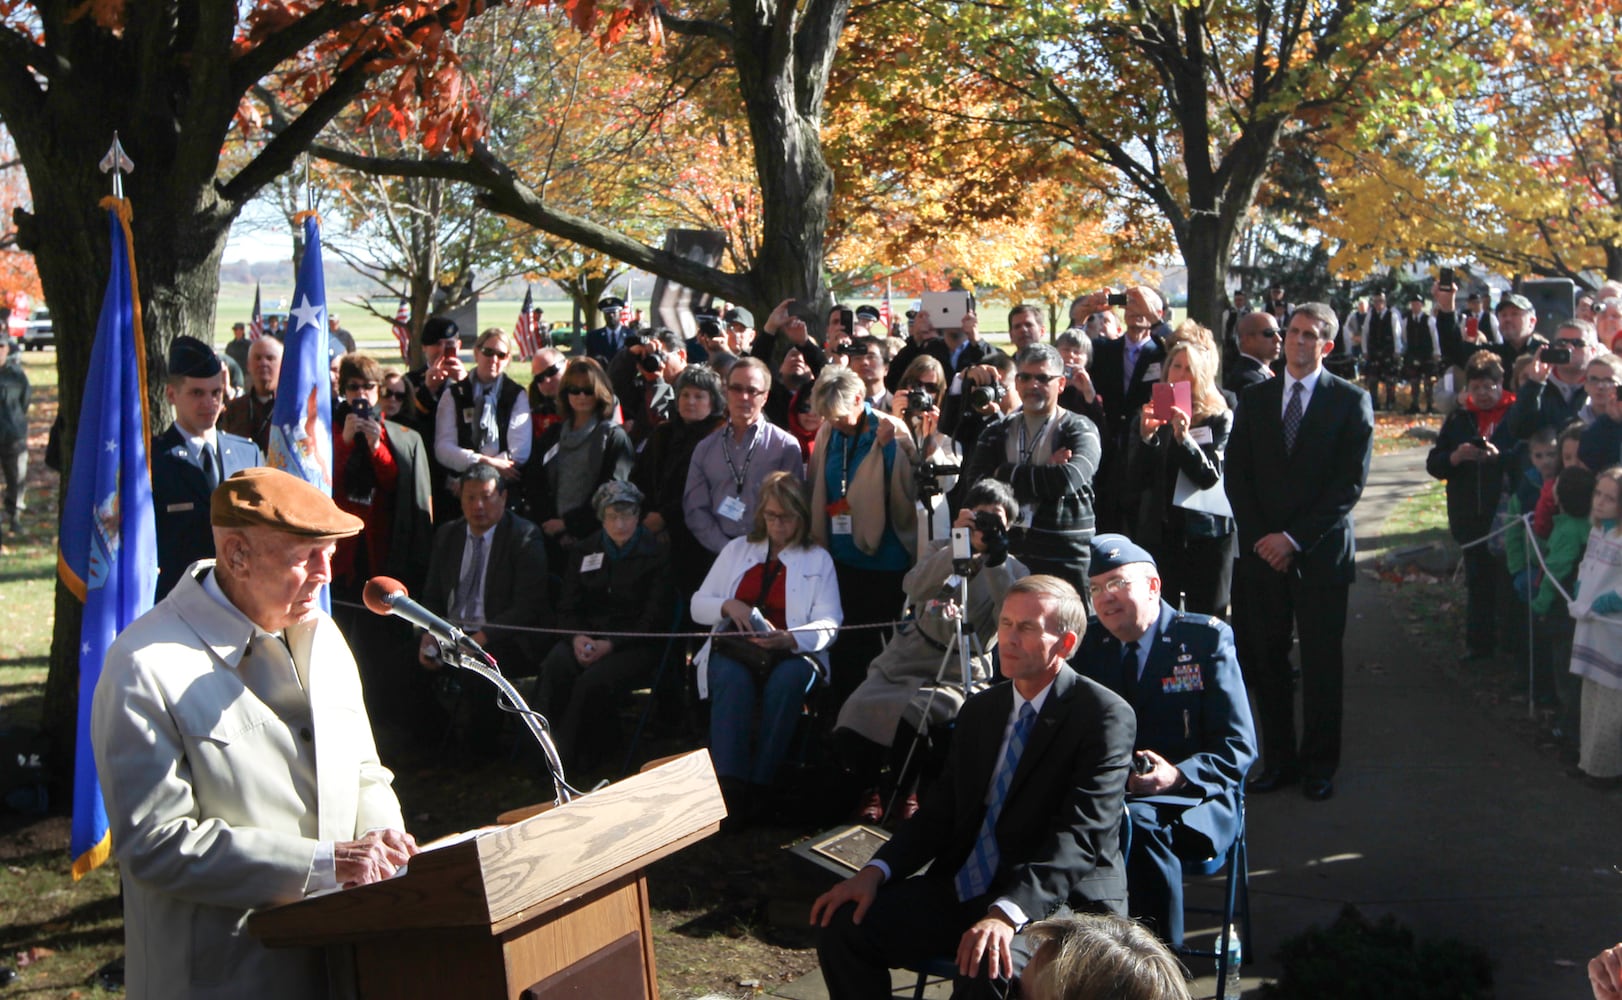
[359,386]
[548,373]
[1044,379]
[1601,383]
[394,394]
[1115,586]
[491,352]
[747,391]
[777,517]
[1571,342]
[927,386]
[579,390]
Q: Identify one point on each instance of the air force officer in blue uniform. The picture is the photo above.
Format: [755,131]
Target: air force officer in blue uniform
[191,458]
[1195,738]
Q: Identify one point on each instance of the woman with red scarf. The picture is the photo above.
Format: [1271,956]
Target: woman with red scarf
[1472,454]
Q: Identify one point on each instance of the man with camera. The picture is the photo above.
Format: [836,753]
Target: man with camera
[1049,455]
[869,358]
[643,375]
[1196,740]
[900,714]
[441,341]
[965,347]
[1554,393]
[1124,372]
[922,338]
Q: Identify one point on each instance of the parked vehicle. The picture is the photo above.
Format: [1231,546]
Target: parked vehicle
[38,334]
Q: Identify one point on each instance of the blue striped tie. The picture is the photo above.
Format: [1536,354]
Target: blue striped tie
[1292,418]
[974,878]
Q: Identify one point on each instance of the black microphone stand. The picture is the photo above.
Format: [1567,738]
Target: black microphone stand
[461,651]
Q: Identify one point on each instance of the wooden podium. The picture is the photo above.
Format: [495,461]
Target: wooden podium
[553,905]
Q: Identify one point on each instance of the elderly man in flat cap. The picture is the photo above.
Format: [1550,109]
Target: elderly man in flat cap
[191,458]
[235,756]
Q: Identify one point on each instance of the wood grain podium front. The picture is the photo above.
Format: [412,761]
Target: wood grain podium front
[553,905]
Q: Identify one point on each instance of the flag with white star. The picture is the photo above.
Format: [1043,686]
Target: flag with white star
[108,553]
[301,422]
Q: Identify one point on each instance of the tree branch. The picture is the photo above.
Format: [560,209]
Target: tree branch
[500,190]
[261,60]
[693,27]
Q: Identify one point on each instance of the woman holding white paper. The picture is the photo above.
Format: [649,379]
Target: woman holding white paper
[1177,451]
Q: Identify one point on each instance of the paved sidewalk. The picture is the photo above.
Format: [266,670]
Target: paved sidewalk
[1440,817]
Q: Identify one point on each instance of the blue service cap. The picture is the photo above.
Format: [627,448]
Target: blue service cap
[1112,551]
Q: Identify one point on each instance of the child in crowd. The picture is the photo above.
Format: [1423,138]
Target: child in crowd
[1552,624]
[1569,442]
[1542,465]
[1596,654]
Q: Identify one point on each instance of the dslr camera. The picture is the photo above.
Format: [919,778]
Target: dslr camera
[994,535]
[919,402]
[983,396]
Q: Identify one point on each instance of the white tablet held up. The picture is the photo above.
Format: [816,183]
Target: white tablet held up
[947,309]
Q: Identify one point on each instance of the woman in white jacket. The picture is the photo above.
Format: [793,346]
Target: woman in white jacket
[801,605]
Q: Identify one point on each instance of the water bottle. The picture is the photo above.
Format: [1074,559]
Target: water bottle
[1231,988]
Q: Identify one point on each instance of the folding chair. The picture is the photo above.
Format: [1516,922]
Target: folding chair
[1236,900]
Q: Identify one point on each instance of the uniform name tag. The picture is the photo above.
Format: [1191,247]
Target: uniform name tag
[178,508]
[591,562]
[469,414]
[731,508]
[551,453]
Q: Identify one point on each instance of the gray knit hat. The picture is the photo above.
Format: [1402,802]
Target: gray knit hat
[615,493]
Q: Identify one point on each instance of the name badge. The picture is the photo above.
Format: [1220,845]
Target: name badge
[1201,435]
[178,508]
[551,453]
[1151,373]
[470,415]
[591,562]
[731,508]
[841,524]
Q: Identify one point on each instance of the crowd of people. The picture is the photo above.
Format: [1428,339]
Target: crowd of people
[1530,454]
[1121,492]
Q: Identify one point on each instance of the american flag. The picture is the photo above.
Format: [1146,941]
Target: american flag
[524,329]
[256,326]
[402,329]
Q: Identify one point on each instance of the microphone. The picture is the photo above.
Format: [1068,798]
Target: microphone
[384,595]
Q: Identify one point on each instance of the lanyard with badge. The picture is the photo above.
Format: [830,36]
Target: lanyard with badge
[732,507]
[1027,512]
[839,511]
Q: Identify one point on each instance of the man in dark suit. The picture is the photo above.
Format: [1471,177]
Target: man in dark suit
[1023,824]
[1259,347]
[192,457]
[1297,461]
[1195,740]
[1123,372]
[613,336]
[488,574]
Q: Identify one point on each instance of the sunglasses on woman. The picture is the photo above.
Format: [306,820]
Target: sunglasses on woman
[579,390]
[491,352]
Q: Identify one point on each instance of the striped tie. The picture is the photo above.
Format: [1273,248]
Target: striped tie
[1292,418]
[974,878]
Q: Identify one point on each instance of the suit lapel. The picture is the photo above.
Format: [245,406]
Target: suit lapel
[1046,730]
[1315,421]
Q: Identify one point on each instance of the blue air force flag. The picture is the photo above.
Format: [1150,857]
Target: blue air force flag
[301,422]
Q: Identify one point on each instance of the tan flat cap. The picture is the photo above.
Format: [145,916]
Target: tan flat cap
[270,498]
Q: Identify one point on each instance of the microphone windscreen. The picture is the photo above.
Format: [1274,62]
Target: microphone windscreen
[379,590]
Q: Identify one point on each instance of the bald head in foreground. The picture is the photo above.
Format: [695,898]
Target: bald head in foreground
[235,756]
